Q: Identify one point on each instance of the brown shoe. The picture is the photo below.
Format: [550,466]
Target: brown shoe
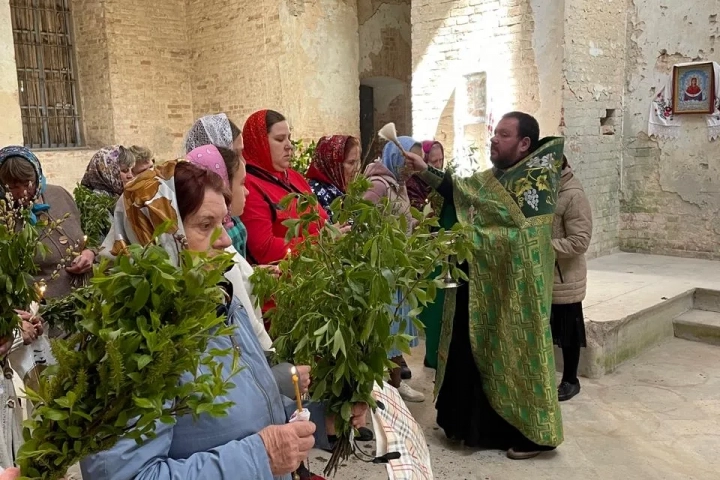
[517,455]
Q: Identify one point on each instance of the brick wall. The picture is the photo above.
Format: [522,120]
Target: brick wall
[300,58]
[594,71]
[64,167]
[149,73]
[93,71]
[496,37]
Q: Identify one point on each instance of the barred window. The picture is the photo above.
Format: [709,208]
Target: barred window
[44,53]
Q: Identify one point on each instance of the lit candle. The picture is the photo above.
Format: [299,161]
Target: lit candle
[41,290]
[84,243]
[296,383]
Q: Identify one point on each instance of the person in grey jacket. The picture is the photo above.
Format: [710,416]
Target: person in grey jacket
[254,441]
[572,232]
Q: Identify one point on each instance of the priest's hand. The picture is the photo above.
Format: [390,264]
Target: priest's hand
[287,445]
[415,162]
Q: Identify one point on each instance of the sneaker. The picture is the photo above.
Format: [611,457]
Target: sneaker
[568,390]
[409,394]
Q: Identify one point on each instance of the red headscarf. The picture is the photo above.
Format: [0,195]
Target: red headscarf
[327,163]
[257,147]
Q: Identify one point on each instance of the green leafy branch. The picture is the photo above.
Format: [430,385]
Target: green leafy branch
[333,301]
[137,355]
[95,213]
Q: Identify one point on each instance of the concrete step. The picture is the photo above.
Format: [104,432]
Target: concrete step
[699,326]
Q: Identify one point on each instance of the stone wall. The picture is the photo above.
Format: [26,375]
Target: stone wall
[671,192]
[385,60]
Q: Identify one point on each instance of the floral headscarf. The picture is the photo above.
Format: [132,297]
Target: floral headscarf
[147,203]
[41,182]
[393,158]
[327,162]
[103,171]
[210,130]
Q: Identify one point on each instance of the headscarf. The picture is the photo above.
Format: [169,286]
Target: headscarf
[147,203]
[327,162]
[209,157]
[40,181]
[103,171]
[257,147]
[209,130]
[393,158]
[428,145]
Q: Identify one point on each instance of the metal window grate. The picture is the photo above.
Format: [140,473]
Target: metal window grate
[42,31]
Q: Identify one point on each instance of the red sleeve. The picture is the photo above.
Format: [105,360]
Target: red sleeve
[262,243]
[258,219]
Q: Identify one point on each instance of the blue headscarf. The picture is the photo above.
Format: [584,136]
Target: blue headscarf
[41,183]
[393,158]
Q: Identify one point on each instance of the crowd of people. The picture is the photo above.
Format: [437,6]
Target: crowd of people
[491,339]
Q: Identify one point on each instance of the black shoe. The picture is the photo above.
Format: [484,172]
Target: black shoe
[568,390]
[405,372]
[364,435]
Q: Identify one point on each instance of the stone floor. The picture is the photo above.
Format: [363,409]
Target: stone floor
[657,417]
[626,283]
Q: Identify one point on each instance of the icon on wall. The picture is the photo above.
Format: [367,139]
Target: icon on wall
[693,88]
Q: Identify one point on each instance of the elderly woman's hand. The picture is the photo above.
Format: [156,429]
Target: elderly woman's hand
[287,445]
[303,372]
[82,263]
[10,474]
[273,270]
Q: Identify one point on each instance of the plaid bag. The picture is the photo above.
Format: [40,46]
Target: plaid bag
[397,431]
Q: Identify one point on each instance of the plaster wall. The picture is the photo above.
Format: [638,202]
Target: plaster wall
[10,120]
[385,60]
[670,201]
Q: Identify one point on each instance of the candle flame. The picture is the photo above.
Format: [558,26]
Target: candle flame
[293,371]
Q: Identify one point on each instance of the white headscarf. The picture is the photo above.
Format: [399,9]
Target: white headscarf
[209,130]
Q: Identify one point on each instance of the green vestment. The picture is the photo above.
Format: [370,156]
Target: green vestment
[510,289]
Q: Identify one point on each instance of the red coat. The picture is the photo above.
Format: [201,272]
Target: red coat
[263,216]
